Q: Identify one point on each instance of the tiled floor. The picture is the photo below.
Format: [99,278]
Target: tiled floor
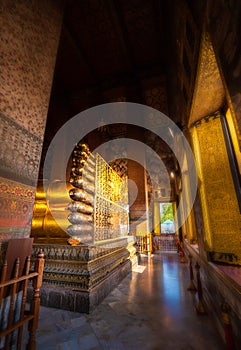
[150,309]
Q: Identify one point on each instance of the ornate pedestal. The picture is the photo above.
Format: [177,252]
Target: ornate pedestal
[77,278]
[93,209]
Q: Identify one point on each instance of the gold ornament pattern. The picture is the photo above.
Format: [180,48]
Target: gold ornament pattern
[218,197]
[16,203]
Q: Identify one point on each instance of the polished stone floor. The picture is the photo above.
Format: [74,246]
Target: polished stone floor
[150,310]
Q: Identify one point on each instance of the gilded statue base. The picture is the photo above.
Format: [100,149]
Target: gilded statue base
[78,278]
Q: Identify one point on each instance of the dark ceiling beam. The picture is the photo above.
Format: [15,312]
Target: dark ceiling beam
[165,13]
[125,80]
[81,52]
[121,32]
[162,28]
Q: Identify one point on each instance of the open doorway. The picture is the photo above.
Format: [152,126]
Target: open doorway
[165,240]
[167,224]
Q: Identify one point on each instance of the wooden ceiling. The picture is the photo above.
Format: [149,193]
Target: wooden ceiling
[124,50]
[108,44]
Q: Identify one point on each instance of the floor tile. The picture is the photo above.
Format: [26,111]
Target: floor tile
[151,309]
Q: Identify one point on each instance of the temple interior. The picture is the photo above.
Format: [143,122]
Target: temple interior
[120,157]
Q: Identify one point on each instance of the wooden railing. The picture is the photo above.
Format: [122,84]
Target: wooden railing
[165,242]
[152,243]
[141,244]
[14,312]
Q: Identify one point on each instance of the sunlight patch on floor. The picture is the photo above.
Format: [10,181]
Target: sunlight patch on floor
[138,268]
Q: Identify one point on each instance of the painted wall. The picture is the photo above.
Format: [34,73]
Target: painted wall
[217,192]
[29,38]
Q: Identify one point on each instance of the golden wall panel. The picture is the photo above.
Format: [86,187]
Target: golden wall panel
[209,93]
[218,197]
[224,23]
[234,136]
[207,235]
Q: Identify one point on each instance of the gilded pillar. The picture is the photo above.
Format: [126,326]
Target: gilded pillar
[157,218]
[190,221]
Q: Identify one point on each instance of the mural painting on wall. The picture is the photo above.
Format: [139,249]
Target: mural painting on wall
[20,151]
[225,15]
[16,201]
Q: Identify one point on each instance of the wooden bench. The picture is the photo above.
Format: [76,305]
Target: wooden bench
[15,312]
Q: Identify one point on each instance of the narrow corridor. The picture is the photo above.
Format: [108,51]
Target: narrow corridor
[150,309]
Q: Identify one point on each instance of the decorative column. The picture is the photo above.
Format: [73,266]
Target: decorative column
[200,308]
[191,286]
[156,218]
[29,37]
